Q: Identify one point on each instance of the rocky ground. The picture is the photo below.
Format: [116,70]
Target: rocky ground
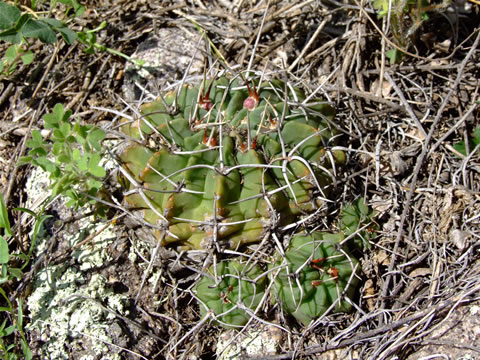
[99,289]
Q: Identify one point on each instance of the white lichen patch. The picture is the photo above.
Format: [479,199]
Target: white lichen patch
[65,305]
[94,252]
[37,188]
[65,308]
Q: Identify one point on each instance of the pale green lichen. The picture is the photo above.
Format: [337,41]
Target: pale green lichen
[94,253]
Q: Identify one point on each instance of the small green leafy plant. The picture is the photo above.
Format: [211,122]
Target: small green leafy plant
[11,333]
[228,289]
[22,28]
[72,157]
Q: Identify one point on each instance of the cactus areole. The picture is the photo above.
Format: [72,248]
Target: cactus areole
[227,161]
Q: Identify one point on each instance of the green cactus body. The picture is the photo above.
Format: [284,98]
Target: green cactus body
[221,173]
[228,284]
[354,217]
[314,276]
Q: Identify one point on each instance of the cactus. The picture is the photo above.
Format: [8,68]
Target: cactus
[316,275]
[355,216]
[225,162]
[228,287]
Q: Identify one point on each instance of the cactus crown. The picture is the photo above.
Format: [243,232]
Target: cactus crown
[231,161]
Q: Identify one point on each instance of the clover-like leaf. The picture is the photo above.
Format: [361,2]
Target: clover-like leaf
[9,16]
[39,30]
[75,5]
[93,167]
[55,118]
[27,57]
[68,35]
[95,137]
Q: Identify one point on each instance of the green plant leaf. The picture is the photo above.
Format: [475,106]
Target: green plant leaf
[38,152]
[22,20]
[11,36]
[4,323]
[394,55]
[93,167]
[24,160]
[64,158]
[38,30]
[57,148]
[27,353]
[76,155]
[382,7]
[9,330]
[54,23]
[11,54]
[15,272]
[58,135]
[68,35]
[94,185]
[461,147]
[4,279]
[37,138]
[27,57]
[46,164]
[4,221]
[8,16]
[55,118]
[65,128]
[476,137]
[4,254]
[94,137]
[82,163]
[88,39]
[20,313]
[74,4]
[474,142]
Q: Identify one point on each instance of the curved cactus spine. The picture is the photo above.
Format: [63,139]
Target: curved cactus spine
[315,276]
[233,161]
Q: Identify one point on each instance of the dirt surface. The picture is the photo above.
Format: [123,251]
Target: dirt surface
[399,124]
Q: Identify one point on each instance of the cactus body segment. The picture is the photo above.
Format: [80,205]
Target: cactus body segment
[229,289]
[316,276]
[222,172]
